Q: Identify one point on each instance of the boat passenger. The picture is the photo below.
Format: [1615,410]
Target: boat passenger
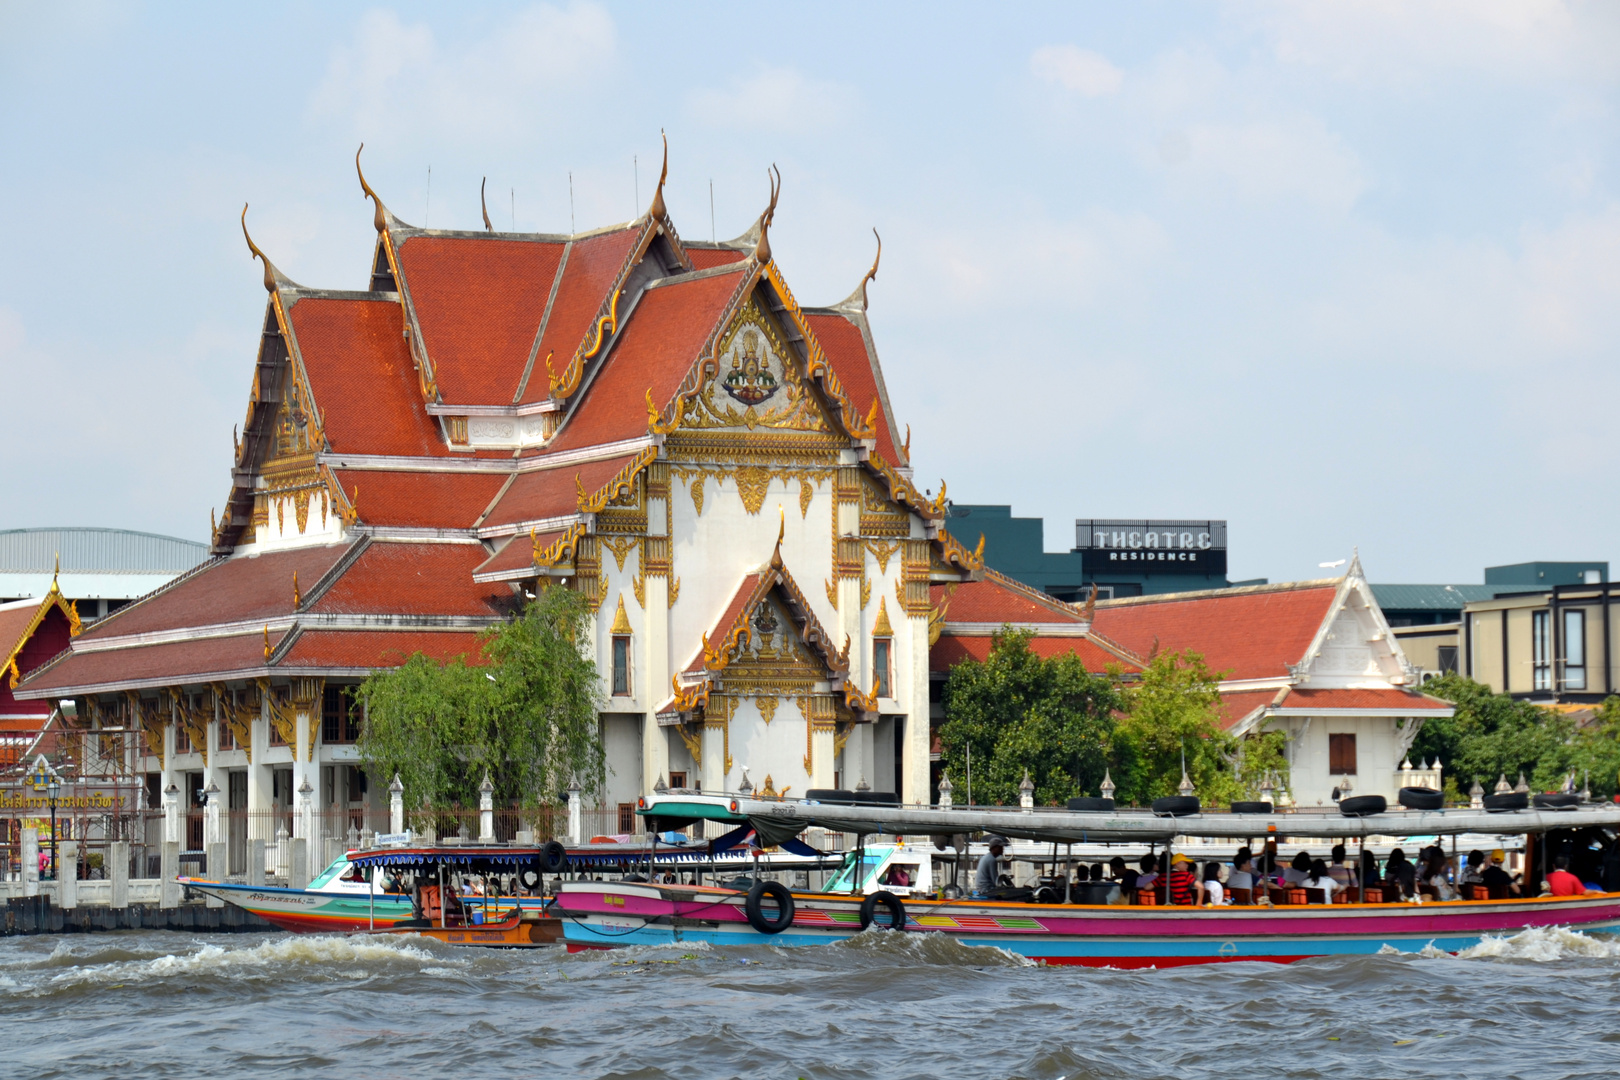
[1116,868]
[1298,870]
[1397,871]
[1472,867]
[1149,875]
[1368,871]
[1343,875]
[1496,879]
[1096,871]
[897,876]
[1320,878]
[1242,875]
[1183,882]
[988,877]
[1213,894]
[1437,874]
[1561,882]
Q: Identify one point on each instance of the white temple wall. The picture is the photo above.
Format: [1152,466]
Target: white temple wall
[1378,756]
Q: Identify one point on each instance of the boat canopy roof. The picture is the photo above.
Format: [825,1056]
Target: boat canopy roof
[778,819]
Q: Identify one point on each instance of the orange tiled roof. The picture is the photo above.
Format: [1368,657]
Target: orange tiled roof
[727,622]
[845,348]
[197,660]
[952,649]
[362,379]
[655,351]
[515,557]
[1247,633]
[427,500]
[239,589]
[353,650]
[1239,704]
[478,304]
[390,578]
[1000,599]
[705,257]
[589,271]
[549,493]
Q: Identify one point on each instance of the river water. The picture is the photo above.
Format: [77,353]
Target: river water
[1544,1004]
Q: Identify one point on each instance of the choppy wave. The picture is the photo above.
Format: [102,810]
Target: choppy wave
[940,950]
[1545,944]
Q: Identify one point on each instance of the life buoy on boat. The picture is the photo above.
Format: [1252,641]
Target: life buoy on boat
[897,910]
[553,857]
[754,907]
[1421,798]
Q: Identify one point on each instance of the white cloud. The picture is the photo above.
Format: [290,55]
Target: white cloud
[1406,41]
[1295,156]
[772,96]
[1085,72]
[397,77]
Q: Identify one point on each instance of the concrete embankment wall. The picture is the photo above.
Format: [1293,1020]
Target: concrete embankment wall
[38,915]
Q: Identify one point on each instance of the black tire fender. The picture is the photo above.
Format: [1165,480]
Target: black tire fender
[553,857]
[530,878]
[753,907]
[1421,798]
[1506,801]
[1363,805]
[1252,807]
[1085,804]
[897,909]
[1176,806]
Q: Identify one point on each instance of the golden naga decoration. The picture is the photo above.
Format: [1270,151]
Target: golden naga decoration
[656,210]
[269,268]
[379,218]
[560,551]
[694,744]
[565,384]
[762,250]
[871,275]
[953,551]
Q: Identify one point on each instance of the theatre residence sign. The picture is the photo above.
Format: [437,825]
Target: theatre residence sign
[1114,546]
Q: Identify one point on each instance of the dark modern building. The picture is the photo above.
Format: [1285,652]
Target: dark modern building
[1121,557]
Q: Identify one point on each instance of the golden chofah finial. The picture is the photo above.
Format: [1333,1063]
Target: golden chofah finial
[872,273]
[908,442]
[298,597]
[267,641]
[1091,601]
[484,206]
[762,250]
[269,271]
[656,209]
[379,218]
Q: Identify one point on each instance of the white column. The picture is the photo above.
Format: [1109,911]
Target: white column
[172,819]
[118,873]
[396,806]
[67,874]
[30,862]
[652,680]
[714,757]
[486,811]
[914,688]
[212,833]
[576,817]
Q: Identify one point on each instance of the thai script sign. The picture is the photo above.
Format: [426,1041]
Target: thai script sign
[26,802]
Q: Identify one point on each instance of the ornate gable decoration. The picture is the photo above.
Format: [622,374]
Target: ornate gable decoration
[756,382]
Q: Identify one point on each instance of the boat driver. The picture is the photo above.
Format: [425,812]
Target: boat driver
[988,876]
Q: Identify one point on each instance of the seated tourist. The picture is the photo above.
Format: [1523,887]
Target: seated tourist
[1319,878]
[1495,878]
[897,876]
[1116,868]
[1298,870]
[1437,874]
[1473,866]
[1242,875]
[1183,882]
[1400,873]
[1561,882]
[1096,871]
[1340,873]
[1214,894]
[1149,875]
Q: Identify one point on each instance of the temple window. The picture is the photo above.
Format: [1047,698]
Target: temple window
[340,718]
[621,666]
[1342,755]
[881,648]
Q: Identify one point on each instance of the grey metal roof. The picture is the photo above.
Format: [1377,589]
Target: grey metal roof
[96,551]
[1431,597]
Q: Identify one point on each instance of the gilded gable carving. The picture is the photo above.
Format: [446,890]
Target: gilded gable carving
[757,382]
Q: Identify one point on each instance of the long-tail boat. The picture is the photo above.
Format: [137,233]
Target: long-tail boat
[605,914]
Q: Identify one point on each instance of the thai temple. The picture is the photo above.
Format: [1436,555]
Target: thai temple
[662,426]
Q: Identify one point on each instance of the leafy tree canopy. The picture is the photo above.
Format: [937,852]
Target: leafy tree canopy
[1019,711]
[528,717]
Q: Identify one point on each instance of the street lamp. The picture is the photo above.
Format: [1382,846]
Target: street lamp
[52,789]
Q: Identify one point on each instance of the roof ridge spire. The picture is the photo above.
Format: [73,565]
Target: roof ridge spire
[272,276]
[762,250]
[859,295]
[483,205]
[381,216]
[656,209]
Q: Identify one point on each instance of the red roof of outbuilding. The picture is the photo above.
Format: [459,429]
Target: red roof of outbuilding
[1363,698]
[952,649]
[1249,633]
[655,352]
[1000,599]
[424,500]
[237,589]
[705,257]
[589,271]
[394,578]
[478,303]
[362,378]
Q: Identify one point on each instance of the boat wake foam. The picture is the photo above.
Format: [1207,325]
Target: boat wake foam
[942,950]
[1544,944]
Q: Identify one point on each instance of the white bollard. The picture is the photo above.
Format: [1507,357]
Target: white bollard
[30,862]
[67,875]
[118,872]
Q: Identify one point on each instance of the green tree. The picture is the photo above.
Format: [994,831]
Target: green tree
[1597,750]
[528,716]
[1494,735]
[1019,711]
[1174,708]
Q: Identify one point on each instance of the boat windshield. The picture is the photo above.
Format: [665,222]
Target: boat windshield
[339,867]
[871,860]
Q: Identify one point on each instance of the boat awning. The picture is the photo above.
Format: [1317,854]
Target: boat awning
[778,818]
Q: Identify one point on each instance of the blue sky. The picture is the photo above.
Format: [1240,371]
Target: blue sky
[1342,273]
